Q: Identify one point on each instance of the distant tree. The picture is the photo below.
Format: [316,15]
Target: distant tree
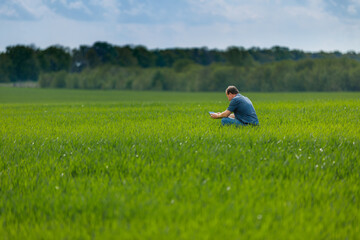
[98,54]
[261,55]
[125,56]
[144,57]
[92,58]
[201,56]
[105,52]
[24,63]
[159,82]
[354,79]
[352,55]
[238,57]
[54,58]
[5,68]
[220,77]
[105,66]
[58,80]
[298,54]
[165,58]
[79,60]
[182,65]
[304,65]
[281,53]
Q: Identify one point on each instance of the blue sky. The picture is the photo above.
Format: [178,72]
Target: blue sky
[310,25]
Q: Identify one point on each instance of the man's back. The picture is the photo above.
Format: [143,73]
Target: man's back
[243,110]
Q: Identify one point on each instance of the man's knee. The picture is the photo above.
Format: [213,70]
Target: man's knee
[226,121]
[231,121]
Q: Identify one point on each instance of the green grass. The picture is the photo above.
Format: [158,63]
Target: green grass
[153,165]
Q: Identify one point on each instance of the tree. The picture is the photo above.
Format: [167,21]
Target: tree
[92,58]
[79,60]
[54,58]
[238,57]
[24,63]
[281,53]
[182,65]
[125,56]
[144,57]
[201,56]
[105,52]
[165,58]
[5,68]
[158,82]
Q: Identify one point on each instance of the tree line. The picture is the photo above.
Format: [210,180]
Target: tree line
[106,66]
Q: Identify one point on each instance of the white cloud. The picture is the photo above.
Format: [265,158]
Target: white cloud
[78,5]
[303,25]
[110,5]
[356,2]
[8,11]
[228,9]
[263,23]
[36,8]
[263,10]
[352,9]
[74,5]
[111,8]
[222,35]
[137,10]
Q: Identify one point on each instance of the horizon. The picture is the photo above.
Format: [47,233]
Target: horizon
[171,48]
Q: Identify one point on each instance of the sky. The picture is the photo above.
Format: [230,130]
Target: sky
[308,25]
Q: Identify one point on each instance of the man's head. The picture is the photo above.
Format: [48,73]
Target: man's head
[231,92]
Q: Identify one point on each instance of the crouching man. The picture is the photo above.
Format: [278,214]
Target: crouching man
[240,112]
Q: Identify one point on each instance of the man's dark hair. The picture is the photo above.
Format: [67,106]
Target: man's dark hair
[232,90]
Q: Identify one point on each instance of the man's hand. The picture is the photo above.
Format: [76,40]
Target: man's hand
[220,115]
[215,115]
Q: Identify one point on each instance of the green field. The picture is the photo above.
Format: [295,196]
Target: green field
[153,165]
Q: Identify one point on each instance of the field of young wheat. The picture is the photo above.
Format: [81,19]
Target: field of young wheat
[154,165]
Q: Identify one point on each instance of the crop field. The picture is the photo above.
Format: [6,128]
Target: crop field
[80,164]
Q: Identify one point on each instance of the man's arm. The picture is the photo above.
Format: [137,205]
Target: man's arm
[224,114]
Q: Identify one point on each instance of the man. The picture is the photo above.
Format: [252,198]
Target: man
[242,108]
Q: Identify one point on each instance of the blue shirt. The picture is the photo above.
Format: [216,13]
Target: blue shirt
[243,110]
